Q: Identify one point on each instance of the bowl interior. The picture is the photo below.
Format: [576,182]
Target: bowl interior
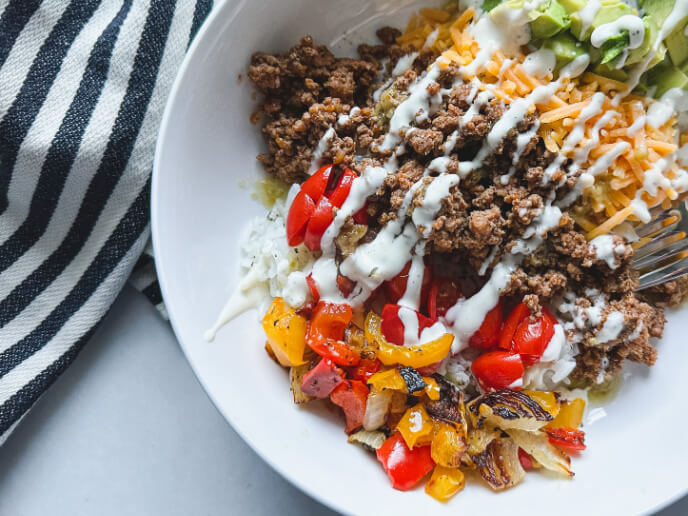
[205,171]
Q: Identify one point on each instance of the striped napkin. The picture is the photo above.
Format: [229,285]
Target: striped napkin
[83,85]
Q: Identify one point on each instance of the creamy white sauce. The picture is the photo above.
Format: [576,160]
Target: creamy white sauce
[404,63]
[438,189]
[540,63]
[663,109]
[344,117]
[628,22]
[553,350]
[432,37]
[607,250]
[636,126]
[323,145]
[611,329]
[587,15]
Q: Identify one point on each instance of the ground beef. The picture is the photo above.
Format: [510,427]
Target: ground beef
[308,91]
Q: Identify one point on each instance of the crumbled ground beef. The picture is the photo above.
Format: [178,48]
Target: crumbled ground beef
[307,91]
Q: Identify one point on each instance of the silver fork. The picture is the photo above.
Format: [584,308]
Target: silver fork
[663,254]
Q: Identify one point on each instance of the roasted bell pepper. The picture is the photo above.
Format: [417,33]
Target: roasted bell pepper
[396,287]
[570,414]
[326,333]
[432,389]
[444,483]
[527,337]
[286,333]
[365,369]
[312,210]
[389,380]
[413,356]
[393,328]
[488,334]
[351,396]
[448,444]
[498,370]
[525,459]
[416,427]
[568,439]
[443,294]
[404,467]
[320,381]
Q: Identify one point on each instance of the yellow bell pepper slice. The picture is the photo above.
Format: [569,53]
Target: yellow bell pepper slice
[432,389]
[286,333]
[390,380]
[570,415]
[547,400]
[412,356]
[449,443]
[444,483]
[416,427]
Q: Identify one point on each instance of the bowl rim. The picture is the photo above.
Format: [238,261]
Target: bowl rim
[215,18]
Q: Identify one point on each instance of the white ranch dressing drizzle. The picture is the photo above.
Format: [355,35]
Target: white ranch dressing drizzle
[611,329]
[630,23]
[344,117]
[404,63]
[587,15]
[540,63]
[323,145]
[606,250]
[522,141]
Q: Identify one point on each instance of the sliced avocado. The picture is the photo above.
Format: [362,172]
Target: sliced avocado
[609,11]
[572,6]
[611,71]
[614,46]
[548,19]
[666,76]
[638,54]
[565,47]
[659,10]
[676,42]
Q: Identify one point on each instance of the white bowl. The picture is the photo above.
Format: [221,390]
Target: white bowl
[635,462]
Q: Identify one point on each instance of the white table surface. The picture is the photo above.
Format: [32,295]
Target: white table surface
[127,430]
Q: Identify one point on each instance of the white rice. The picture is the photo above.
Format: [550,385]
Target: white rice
[266,254]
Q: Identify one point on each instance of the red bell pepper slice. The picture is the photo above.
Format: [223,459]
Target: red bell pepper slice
[300,212]
[488,334]
[443,294]
[393,328]
[313,287]
[396,287]
[326,333]
[515,317]
[532,337]
[341,191]
[361,216]
[498,370]
[568,439]
[365,369]
[316,185]
[351,395]
[345,285]
[320,381]
[320,219]
[404,467]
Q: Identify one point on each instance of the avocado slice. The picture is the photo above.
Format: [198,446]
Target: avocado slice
[609,11]
[548,19]
[666,76]
[566,48]
[676,42]
[572,6]
[611,71]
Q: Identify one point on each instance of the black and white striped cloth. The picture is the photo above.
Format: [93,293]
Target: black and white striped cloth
[83,84]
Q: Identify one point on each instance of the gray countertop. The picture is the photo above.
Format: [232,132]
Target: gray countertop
[127,430]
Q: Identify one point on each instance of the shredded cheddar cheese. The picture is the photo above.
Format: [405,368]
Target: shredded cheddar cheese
[607,203]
